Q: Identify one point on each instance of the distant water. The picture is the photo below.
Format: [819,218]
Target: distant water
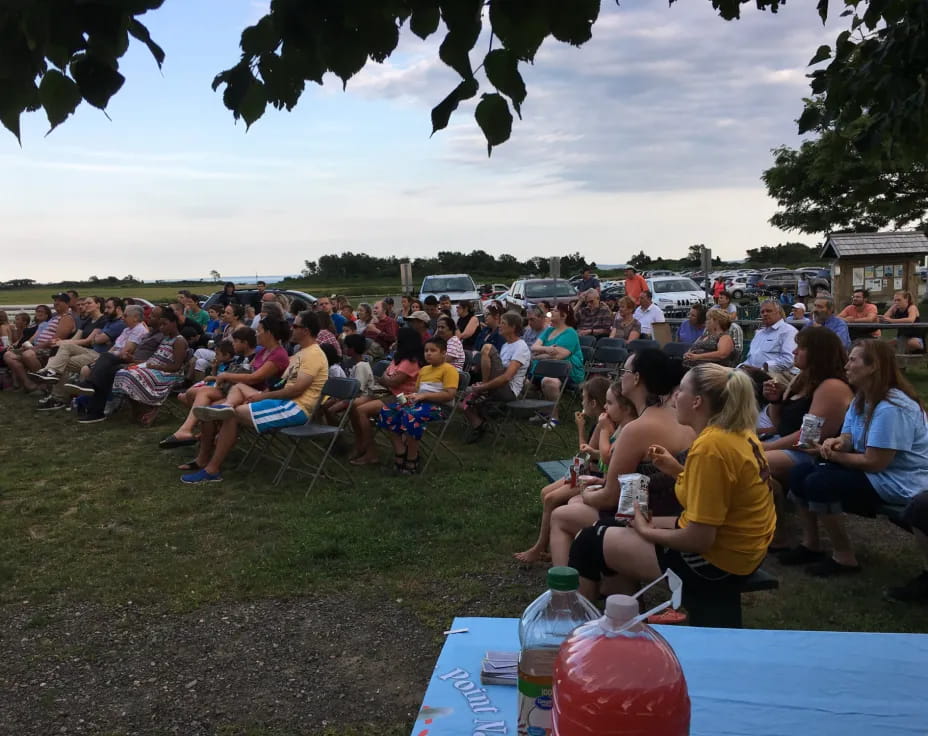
[235,279]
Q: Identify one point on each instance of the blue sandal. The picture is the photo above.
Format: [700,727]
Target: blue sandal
[201,476]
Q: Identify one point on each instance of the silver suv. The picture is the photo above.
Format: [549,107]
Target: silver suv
[526,293]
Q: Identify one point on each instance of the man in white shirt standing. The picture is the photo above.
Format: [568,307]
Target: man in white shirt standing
[502,373]
[647,313]
[773,345]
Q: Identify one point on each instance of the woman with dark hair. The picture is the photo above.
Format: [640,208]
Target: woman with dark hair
[560,341]
[149,383]
[694,325]
[326,334]
[881,456]
[399,378]
[454,353]
[903,311]
[228,295]
[467,325]
[648,380]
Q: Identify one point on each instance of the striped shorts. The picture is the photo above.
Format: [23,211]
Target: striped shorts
[271,414]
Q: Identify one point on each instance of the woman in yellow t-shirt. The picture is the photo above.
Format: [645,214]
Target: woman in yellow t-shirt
[728,516]
[436,385]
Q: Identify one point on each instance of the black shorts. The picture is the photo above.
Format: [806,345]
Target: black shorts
[699,576]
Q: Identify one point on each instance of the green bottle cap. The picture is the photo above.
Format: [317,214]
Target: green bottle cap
[563,578]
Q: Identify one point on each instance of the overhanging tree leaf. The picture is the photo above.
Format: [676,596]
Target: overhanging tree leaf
[455,49]
[572,22]
[253,103]
[521,25]
[441,113]
[98,81]
[140,32]
[824,52]
[424,19]
[494,119]
[261,38]
[59,95]
[502,68]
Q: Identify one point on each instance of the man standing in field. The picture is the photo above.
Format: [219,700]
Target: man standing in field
[634,284]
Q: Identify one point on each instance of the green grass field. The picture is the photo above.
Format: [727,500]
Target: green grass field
[92,517]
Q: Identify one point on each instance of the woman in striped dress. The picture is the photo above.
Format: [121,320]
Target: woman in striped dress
[148,384]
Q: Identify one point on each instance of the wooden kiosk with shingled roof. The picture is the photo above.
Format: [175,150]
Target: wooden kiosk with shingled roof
[882,263]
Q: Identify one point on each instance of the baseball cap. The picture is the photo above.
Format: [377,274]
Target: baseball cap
[62,297]
[420,315]
[799,305]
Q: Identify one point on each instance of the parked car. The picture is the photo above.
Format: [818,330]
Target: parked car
[739,285]
[526,293]
[458,287]
[659,272]
[819,279]
[245,296]
[774,283]
[675,294]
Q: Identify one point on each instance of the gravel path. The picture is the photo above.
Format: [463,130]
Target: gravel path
[294,666]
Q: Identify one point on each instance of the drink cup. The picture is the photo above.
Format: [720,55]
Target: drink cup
[5,340]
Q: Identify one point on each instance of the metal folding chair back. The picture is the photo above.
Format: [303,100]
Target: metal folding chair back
[315,434]
[587,341]
[439,439]
[380,367]
[610,342]
[559,369]
[676,349]
[636,346]
[606,360]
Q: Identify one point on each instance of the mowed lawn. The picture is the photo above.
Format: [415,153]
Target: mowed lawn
[97,514]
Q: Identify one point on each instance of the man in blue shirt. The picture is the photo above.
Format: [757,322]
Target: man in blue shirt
[823,309]
[589,281]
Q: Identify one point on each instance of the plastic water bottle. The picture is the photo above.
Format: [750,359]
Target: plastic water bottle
[544,626]
[617,675]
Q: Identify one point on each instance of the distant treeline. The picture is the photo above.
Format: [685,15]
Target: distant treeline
[347,266]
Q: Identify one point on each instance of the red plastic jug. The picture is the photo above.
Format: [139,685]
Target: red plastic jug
[617,675]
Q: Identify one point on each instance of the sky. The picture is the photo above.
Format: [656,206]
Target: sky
[652,136]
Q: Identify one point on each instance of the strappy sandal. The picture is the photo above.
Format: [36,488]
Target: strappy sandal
[411,467]
[399,463]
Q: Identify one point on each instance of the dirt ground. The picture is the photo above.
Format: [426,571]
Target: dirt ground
[299,666]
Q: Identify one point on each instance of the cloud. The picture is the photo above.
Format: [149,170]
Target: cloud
[659,99]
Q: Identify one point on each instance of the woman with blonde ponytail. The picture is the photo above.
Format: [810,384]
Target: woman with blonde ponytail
[728,518]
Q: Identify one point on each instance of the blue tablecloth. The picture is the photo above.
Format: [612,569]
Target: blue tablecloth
[741,682]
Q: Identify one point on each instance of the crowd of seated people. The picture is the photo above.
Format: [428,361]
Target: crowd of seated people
[678,421]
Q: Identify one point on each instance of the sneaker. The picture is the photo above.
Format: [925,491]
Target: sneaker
[48,375]
[81,388]
[52,403]
[550,424]
[214,413]
[92,417]
[201,476]
[914,591]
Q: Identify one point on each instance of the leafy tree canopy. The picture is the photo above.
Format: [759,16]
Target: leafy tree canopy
[827,184]
[54,54]
[782,254]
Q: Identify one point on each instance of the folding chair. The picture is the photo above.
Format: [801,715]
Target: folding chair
[606,360]
[344,389]
[676,349]
[439,439]
[588,352]
[587,341]
[610,342]
[380,367]
[471,360]
[522,407]
[636,346]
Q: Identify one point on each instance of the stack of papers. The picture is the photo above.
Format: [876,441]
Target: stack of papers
[499,668]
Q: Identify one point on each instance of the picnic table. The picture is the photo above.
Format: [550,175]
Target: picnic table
[758,682]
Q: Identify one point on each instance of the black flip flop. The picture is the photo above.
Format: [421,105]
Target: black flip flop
[171,441]
[192,465]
